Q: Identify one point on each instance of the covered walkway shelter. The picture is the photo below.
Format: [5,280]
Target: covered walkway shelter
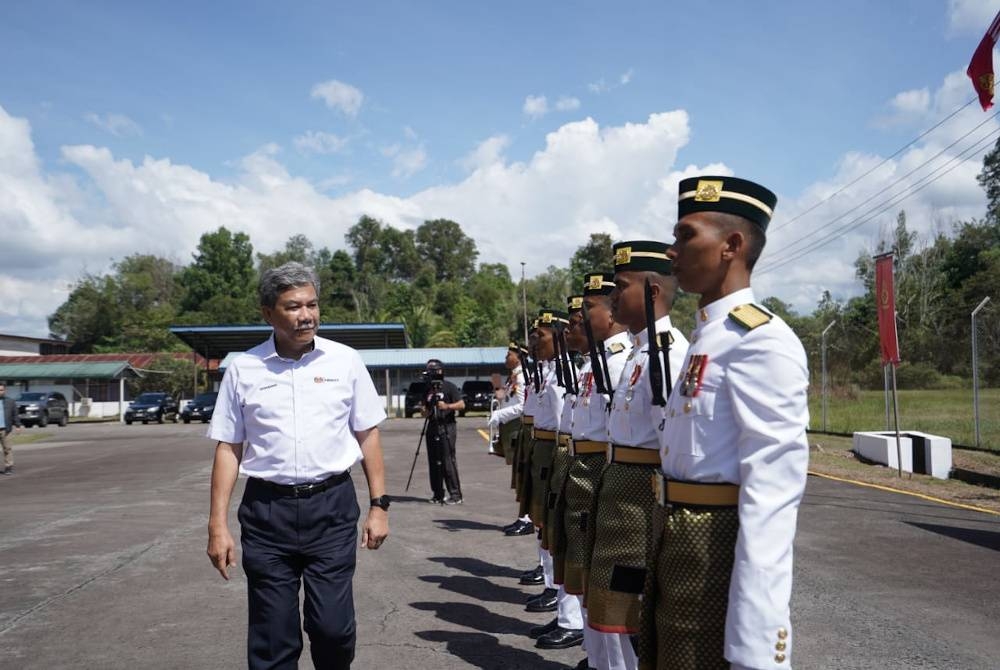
[79,381]
[393,370]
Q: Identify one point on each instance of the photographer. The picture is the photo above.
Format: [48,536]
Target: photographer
[440,403]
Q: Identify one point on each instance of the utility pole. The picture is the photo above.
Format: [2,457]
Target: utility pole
[524,304]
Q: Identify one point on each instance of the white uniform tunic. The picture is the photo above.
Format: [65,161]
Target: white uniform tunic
[569,402]
[631,422]
[590,416]
[550,400]
[747,425]
[297,417]
[512,405]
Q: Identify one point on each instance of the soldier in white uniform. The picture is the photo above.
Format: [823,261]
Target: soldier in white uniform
[625,504]
[506,418]
[608,344]
[733,452]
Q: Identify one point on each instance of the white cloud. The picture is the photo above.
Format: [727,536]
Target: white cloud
[535,106]
[599,86]
[971,16]
[584,178]
[602,86]
[486,153]
[408,163]
[319,142]
[567,103]
[118,125]
[338,95]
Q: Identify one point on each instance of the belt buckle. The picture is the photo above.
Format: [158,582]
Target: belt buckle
[302,490]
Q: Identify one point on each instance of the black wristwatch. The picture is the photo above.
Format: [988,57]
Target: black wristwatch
[382,502]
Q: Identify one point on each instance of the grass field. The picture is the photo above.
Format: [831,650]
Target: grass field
[948,413]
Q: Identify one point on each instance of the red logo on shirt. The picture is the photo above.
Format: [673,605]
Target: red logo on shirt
[318,380]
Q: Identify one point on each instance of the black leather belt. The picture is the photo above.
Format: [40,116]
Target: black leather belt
[304,490]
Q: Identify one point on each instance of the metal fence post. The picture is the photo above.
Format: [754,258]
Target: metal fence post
[824,382]
[975,369]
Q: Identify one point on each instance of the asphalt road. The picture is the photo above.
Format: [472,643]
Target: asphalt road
[102,565]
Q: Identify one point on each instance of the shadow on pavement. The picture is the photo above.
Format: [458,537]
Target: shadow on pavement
[477,588]
[474,616]
[409,499]
[988,539]
[476,566]
[454,525]
[486,652]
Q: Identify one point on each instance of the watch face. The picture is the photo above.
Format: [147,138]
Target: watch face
[382,501]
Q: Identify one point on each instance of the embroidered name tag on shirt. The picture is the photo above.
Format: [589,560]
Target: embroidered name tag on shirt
[269,386]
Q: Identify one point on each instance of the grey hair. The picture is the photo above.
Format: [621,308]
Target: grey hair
[277,280]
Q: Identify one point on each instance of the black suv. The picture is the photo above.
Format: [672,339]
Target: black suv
[478,395]
[201,407]
[38,408]
[152,406]
[415,395]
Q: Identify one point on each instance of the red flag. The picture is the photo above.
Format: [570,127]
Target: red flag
[981,67]
[885,297]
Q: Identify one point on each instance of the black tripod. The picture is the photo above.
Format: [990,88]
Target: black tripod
[433,413]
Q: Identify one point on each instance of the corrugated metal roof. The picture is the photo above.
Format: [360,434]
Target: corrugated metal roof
[102,370]
[217,341]
[136,360]
[417,358]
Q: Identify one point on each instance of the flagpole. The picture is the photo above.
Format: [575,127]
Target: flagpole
[895,416]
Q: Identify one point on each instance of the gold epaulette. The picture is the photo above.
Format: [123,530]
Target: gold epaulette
[749,315]
[616,348]
[665,339]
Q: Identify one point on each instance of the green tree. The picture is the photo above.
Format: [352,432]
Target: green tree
[89,316]
[443,245]
[221,282]
[168,373]
[595,255]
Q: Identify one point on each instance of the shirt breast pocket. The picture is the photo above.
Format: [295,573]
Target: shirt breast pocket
[333,400]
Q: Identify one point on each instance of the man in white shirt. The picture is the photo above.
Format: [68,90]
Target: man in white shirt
[307,411]
[733,452]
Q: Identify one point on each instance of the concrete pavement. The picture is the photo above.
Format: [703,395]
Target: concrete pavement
[102,565]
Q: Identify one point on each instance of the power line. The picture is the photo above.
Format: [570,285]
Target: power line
[884,161]
[925,181]
[897,181]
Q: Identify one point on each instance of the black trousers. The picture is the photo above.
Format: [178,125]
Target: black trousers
[441,461]
[289,542]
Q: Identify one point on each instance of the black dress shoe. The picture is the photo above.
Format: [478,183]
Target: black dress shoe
[532,577]
[523,528]
[544,595]
[545,603]
[560,638]
[538,631]
[511,526]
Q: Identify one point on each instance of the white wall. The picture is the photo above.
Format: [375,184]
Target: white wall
[14,347]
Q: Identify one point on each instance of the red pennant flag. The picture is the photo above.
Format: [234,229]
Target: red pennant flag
[885,297]
[981,66]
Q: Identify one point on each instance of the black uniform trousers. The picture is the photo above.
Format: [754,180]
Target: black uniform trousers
[441,461]
[288,542]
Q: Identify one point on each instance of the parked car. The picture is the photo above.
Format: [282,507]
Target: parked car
[152,406]
[200,407]
[37,408]
[478,394]
[415,395]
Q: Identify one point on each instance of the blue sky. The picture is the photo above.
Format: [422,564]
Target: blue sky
[135,127]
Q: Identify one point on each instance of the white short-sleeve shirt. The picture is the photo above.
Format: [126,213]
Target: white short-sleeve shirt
[297,417]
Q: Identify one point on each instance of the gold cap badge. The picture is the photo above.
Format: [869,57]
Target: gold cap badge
[623,255]
[596,282]
[708,191]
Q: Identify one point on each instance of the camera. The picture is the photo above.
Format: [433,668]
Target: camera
[433,374]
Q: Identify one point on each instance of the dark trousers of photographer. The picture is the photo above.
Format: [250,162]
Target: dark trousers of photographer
[441,462]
